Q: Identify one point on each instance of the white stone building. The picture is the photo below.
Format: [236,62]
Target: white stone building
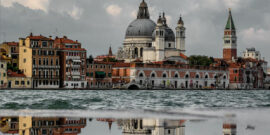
[252,53]
[150,42]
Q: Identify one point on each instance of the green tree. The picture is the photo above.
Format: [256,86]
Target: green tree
[198,60]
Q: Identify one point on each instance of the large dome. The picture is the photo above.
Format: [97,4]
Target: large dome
[169,35]
[140,28]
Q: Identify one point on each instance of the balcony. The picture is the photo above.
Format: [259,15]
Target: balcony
[46,77]
[73,57]
[46,66]
[73,73]
[73,66]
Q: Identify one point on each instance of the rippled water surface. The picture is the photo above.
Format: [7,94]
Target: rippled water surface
[140,100]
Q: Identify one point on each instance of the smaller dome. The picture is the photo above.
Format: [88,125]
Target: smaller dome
[169,35]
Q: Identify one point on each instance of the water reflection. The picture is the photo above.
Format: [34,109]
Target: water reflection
[41,126]
[27,125]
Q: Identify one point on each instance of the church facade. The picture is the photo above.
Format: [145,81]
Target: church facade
[148,41]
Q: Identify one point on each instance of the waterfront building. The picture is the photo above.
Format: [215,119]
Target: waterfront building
[3,71]
[169,76]
[72,63]
[99,74]
[230,39]
[11,49]
[38,58]
[18,80]
[246,74]
[252,53]
[150,42]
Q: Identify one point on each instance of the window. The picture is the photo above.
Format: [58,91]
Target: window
[164,75]
[24,50]
[22,82]
[24,60]
[153,75]
[169,45]
[206,76]
[197,76]
[2,65]
[227,41]
[28,82]
[34,61]
[176,75]
[4,74]
[141,75]
[44,44]
[39,61]
[34,52]
[187,76]
[56,63]
[17,82]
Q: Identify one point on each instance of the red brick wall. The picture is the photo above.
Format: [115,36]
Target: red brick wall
[229,53]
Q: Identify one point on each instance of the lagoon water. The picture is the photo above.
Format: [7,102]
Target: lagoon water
[116,112]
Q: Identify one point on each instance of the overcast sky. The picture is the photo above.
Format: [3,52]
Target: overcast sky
[97,24]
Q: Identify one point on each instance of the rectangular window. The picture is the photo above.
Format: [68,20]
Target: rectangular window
[44,44]
[22,82]
[34,61]
[34,52]
[17,82]
[24,60]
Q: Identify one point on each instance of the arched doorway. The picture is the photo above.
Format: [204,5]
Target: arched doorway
[133,87]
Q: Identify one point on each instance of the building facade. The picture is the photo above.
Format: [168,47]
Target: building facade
[150,42]
[3,72]
[252,53]
[12,51]
[38,58]
[18,80]
[169,76]
[99,74]
[72,63]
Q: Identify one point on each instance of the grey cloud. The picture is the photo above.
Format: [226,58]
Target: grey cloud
[96,29]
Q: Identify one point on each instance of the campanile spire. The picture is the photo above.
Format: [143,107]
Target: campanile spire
[230,39]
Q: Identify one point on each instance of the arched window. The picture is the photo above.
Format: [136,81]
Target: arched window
[224,77]
[141,75]
[153,75]
[141,52]
[187,76]
[206,76]
[215,77]
[136,52]
[197,76]
[176,75]
[164,75]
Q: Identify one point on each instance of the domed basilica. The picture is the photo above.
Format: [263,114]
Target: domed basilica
[148,41]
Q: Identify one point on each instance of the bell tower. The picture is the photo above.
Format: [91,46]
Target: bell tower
[230,39]
[180,36]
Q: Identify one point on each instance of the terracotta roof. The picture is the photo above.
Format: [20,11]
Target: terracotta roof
[14,74]
[65,40]
[12,43]
[183,56]
[40,37]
